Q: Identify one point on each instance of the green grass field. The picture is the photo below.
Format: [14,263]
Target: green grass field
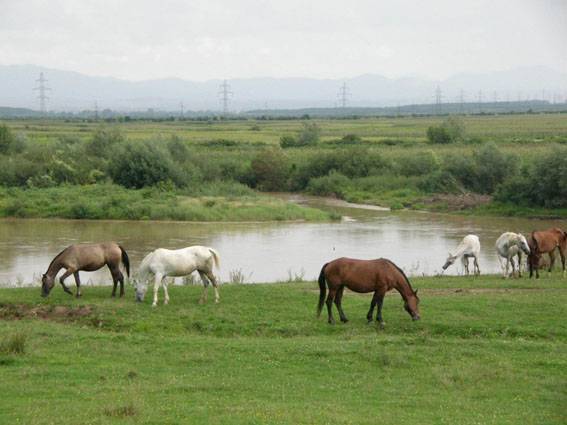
[487,351]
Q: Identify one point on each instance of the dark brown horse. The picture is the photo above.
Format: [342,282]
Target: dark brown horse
[546,241]
[87,257]
[378,276]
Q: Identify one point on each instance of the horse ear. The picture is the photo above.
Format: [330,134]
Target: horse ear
[415,292]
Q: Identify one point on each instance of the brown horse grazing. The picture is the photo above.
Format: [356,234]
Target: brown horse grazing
[87,257]
[378,276]
[545,241]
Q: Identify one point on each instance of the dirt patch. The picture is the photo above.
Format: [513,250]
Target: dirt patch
[59,312]
[458,202]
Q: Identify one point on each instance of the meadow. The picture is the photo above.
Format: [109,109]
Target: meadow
[482,164]
[487,350]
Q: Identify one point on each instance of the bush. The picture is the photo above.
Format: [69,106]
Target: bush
[7,140]
[102,142]
[309,134]
[288,141]
[419,164]
[270,170]
[450,131]
[335,184]
[143,164]
[542,184]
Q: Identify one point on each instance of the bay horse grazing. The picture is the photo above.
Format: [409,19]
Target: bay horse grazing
[508,246]
[87,257]
[546,241]
[378,276]
[469,247]
[177,262]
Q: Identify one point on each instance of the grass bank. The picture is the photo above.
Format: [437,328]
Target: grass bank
[486,351]
[106,201]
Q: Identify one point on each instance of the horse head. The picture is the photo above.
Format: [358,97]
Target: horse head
[47,283]
[411,305]
[523,244]
[449,262]
[140,289]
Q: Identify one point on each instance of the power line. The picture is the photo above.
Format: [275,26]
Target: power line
[225,95]
[343,95]
[42,88]
[438,99]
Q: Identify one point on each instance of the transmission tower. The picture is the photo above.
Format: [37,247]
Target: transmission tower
[225,95]
[462,101]
[438,98]
[480,100]
[343,95]
[42,89]
[181,109]
[96,110]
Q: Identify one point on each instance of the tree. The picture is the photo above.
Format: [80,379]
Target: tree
[270,170]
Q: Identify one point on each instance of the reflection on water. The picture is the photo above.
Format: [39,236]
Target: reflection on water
[265,252]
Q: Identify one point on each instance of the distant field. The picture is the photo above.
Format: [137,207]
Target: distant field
[504,128]
[382,161]
[487,351]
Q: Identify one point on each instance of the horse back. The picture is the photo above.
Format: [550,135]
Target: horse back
[362,275]
[548,240]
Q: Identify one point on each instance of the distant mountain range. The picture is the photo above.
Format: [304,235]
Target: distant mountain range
[72,91]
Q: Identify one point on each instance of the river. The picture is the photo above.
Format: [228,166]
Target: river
[265,252]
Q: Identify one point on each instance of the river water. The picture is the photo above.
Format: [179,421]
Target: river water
[265,252]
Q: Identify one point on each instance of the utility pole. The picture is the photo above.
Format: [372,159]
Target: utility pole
[42,88]
[438,97]
[343,96]
[225,95]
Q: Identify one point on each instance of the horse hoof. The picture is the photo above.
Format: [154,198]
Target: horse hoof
[344,320]
[154,305]
[381,325]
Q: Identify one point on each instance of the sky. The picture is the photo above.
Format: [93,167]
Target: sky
[206,39]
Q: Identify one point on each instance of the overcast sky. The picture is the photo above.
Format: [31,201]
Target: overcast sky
[205,39]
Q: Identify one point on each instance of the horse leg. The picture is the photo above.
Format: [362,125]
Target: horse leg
[562,254]
[379,303]
[338,303]
[372,305]
[513,266]
[506,268]
[166,294]
[476,266]
[78,283]
[551,261]
[329,303]
[213,280]
[519,263]
[64,276]
[205,281]
[157,282]
[465,262]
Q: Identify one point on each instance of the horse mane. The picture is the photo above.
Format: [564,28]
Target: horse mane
[55,258]
[403,274]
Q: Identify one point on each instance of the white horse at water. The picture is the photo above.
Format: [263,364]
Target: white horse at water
[508,246]
[162,263]
[469,247]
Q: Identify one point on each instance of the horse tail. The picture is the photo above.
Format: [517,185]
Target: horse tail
[322,289]
[216,257]
[125,260]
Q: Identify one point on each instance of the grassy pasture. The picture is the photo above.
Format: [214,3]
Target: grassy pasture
[502,128]
[487,350]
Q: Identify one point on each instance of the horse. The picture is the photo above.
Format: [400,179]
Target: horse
[363,276]
[508,246]
[546,241]
[88,257]
[469,247]
[178,262]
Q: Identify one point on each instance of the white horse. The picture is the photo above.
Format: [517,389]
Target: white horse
[508,246]
[469,247]
[177,262]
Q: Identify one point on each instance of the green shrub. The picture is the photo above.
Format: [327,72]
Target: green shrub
[418,164]
[288,141]
[450,131]
[309,134]
[136,165]
[103,140]
[7,139]
[270,170]
[334,184]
